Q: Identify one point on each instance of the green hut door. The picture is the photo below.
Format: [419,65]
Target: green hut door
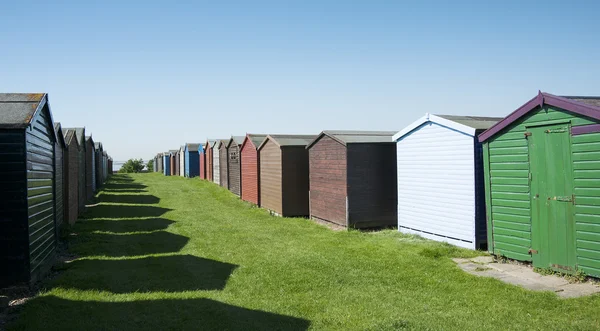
[553,229]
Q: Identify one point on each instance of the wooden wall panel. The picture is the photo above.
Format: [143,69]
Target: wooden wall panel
[250,174]
[223,167]
[270,177]
[234,169]
[295,181]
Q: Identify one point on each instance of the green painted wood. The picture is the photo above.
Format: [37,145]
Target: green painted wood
[508,150]
[588,192]
[586,165]
[593,156]
[594,245]
[511,196]
[553,233]
[587,218]
[510,188]
[588,201]
[512,233]
[523,173]
[586,138]
[586,147]
[586,174]
[510,181]
[511,203]
[510,166]
[488,197]
[510,210]
[525,227]
[522,219]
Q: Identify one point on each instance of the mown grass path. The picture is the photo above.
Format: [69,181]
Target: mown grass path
[162,253]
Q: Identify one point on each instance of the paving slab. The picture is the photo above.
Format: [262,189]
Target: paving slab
[524,276]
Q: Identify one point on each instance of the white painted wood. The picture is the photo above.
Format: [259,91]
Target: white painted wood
[435,119]
[436,181]
[182,161]
[216,173]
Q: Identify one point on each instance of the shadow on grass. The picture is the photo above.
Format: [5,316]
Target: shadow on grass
[124,225]
[52,312]
[101,244]
[141,199]
[175,273]
[123,186]
[124,190]
[123,211]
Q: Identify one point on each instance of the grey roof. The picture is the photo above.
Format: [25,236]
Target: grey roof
[59,134]
[239,140]
[193,147]
[173,151]
[475,122]
[79,133]
[257,139]
[356,137]
[17,109]
[69,135]
[222,141]
[592,101]
[283,140]
[98,145]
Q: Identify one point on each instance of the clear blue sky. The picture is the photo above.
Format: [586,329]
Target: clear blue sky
[149,76]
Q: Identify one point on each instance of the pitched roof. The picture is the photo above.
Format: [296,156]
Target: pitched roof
[79,133]
[465,124]
[255,139]
[59,134]
[69,136]
[239,140]
[283,140]
[192,147]
[579,105]
[18,109]
[355,137]
[475,122]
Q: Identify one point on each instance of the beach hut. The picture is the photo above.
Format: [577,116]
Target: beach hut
[109,168]
[81,181]
[172,162]
[176,162]
[60,175]
[250,167]
[181,167]
[214,156]
[542,170]
[202,157]
[208,160]
[166,164]
[90,167]
[72,176]
[99,162]
[27,204]
[233,164]
[191,160]
[284,174]
[106,169]
[223,164]
[353,178]
[440,179]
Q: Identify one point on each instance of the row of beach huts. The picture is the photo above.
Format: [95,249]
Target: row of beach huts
[47,174]
[526,187]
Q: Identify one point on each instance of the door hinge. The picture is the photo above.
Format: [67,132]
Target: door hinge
[562,199]
[530,176]
[533,251]
[527,134]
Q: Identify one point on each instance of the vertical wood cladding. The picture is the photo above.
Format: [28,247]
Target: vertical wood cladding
[208,162]
[59,168]
[40,194]
[328,185]
[172,164]
[372,185]
[270,177]
[81,197]
[89,169]
[72,181]
[223,166]
[202,156]
[177,164]
[13,204]
[234,168]
[250,173]
[216,164]
[294,181]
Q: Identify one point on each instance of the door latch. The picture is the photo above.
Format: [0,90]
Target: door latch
[533,251]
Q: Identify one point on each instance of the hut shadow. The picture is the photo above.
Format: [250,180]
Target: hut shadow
[124,186]
[124,190]
[123,211]
[172,314]
[115,245]
[141,199]
[174,273]
[125,225]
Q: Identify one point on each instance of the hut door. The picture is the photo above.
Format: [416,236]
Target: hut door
[551,180]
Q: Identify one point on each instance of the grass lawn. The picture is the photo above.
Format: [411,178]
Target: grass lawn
[173,253]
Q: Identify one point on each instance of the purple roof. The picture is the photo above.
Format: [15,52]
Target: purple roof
[573,105]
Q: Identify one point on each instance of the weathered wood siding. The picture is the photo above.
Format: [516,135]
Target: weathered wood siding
[270,177]
[181,168]
[40,194]
[234,169]
[250,173]
[202,156]
[506,158]
[223,167]
[13,204]
[372,185]
[89,169]
[328,185]
[295,181]
[59,191]
[172,165]
[72,182]
[81,197]
[214,152]
[208,163]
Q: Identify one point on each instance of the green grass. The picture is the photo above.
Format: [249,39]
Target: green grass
[187,254]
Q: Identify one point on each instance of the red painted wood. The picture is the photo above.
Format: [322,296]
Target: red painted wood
[202,165]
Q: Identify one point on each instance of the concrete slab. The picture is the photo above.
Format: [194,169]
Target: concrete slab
[524,276]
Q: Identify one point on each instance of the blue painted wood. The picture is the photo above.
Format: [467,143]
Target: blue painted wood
[192,162]
[166,165]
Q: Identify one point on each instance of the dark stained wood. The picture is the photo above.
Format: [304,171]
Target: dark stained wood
[372,190]
[234,168]
[223,166]
[270,177]
[89,169]
[295,181]
[327,161]
[72,179]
